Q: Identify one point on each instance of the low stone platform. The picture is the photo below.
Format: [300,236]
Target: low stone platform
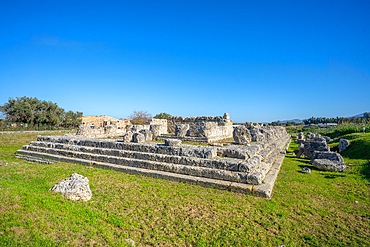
[250,169]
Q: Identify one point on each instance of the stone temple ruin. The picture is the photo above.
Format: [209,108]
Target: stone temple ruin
[249,165]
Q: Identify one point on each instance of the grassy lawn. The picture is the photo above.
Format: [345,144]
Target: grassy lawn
[317,209]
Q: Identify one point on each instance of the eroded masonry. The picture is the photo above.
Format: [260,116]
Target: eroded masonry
[249,164]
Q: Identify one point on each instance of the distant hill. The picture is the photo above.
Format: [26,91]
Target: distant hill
[358,115]
[297,121]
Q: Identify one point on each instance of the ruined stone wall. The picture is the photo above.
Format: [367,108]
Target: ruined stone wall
[102,127]
[100,132]
[162,123]
[214,128]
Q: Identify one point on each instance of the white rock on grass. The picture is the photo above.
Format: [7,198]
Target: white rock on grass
[75,188]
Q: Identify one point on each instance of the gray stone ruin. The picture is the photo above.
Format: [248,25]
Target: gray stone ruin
[242,135]
[329,161]
[74,188]
[315,148]
[246,166]
[206,129]
[181,130]
[343,145]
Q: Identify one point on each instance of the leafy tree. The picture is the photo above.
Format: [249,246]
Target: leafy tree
[72,119]
[163,115]
[36,113]
[140,117]
[2,124]
[20,110]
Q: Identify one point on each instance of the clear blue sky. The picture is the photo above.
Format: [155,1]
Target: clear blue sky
[258,60]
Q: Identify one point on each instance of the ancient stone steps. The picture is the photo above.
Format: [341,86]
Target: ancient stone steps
[240,177]
[271,152]
[229,164]
[262,190]
[235,167]
[183,150]
[184,138]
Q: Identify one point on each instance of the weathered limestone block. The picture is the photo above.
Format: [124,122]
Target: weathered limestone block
[311,146]
[343,145]
[327,138]
[330,161]
[329,165]
[181,129]
[233,151]
[250,164]
[172,142]
[156,130]
[201,152]
[239,151]
[257,135]
[300,151]
[138,137]
[242,135]
[255,178]
[128,136]
[301,136]
[207,129]
[75,188]
[306,170]
[333,156]
[147,134]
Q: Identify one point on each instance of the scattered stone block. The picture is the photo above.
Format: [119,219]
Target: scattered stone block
[327,138]
[172,142]
[306,170]
[147,134]
[138,137]
[75,188]
[333,156]
[311,146]
[128,136]
[329,161]
[329,165]
[300,136]
[343,145]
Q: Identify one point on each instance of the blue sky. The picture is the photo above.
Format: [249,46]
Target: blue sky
[260,61]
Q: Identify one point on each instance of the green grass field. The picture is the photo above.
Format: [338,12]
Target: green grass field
[317,209]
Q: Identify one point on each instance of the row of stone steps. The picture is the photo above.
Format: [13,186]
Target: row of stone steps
[184,138]
[221,174]
[197,164]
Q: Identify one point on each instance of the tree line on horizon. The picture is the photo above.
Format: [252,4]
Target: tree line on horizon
[32,113]
[324,120]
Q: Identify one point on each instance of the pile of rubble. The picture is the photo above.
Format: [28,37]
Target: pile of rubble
[315,147]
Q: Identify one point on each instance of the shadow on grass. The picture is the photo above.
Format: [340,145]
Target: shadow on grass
[365,171]
[301,160]
[332,176]
[329,176]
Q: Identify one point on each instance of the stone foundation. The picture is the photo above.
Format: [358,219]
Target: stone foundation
[243,168]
